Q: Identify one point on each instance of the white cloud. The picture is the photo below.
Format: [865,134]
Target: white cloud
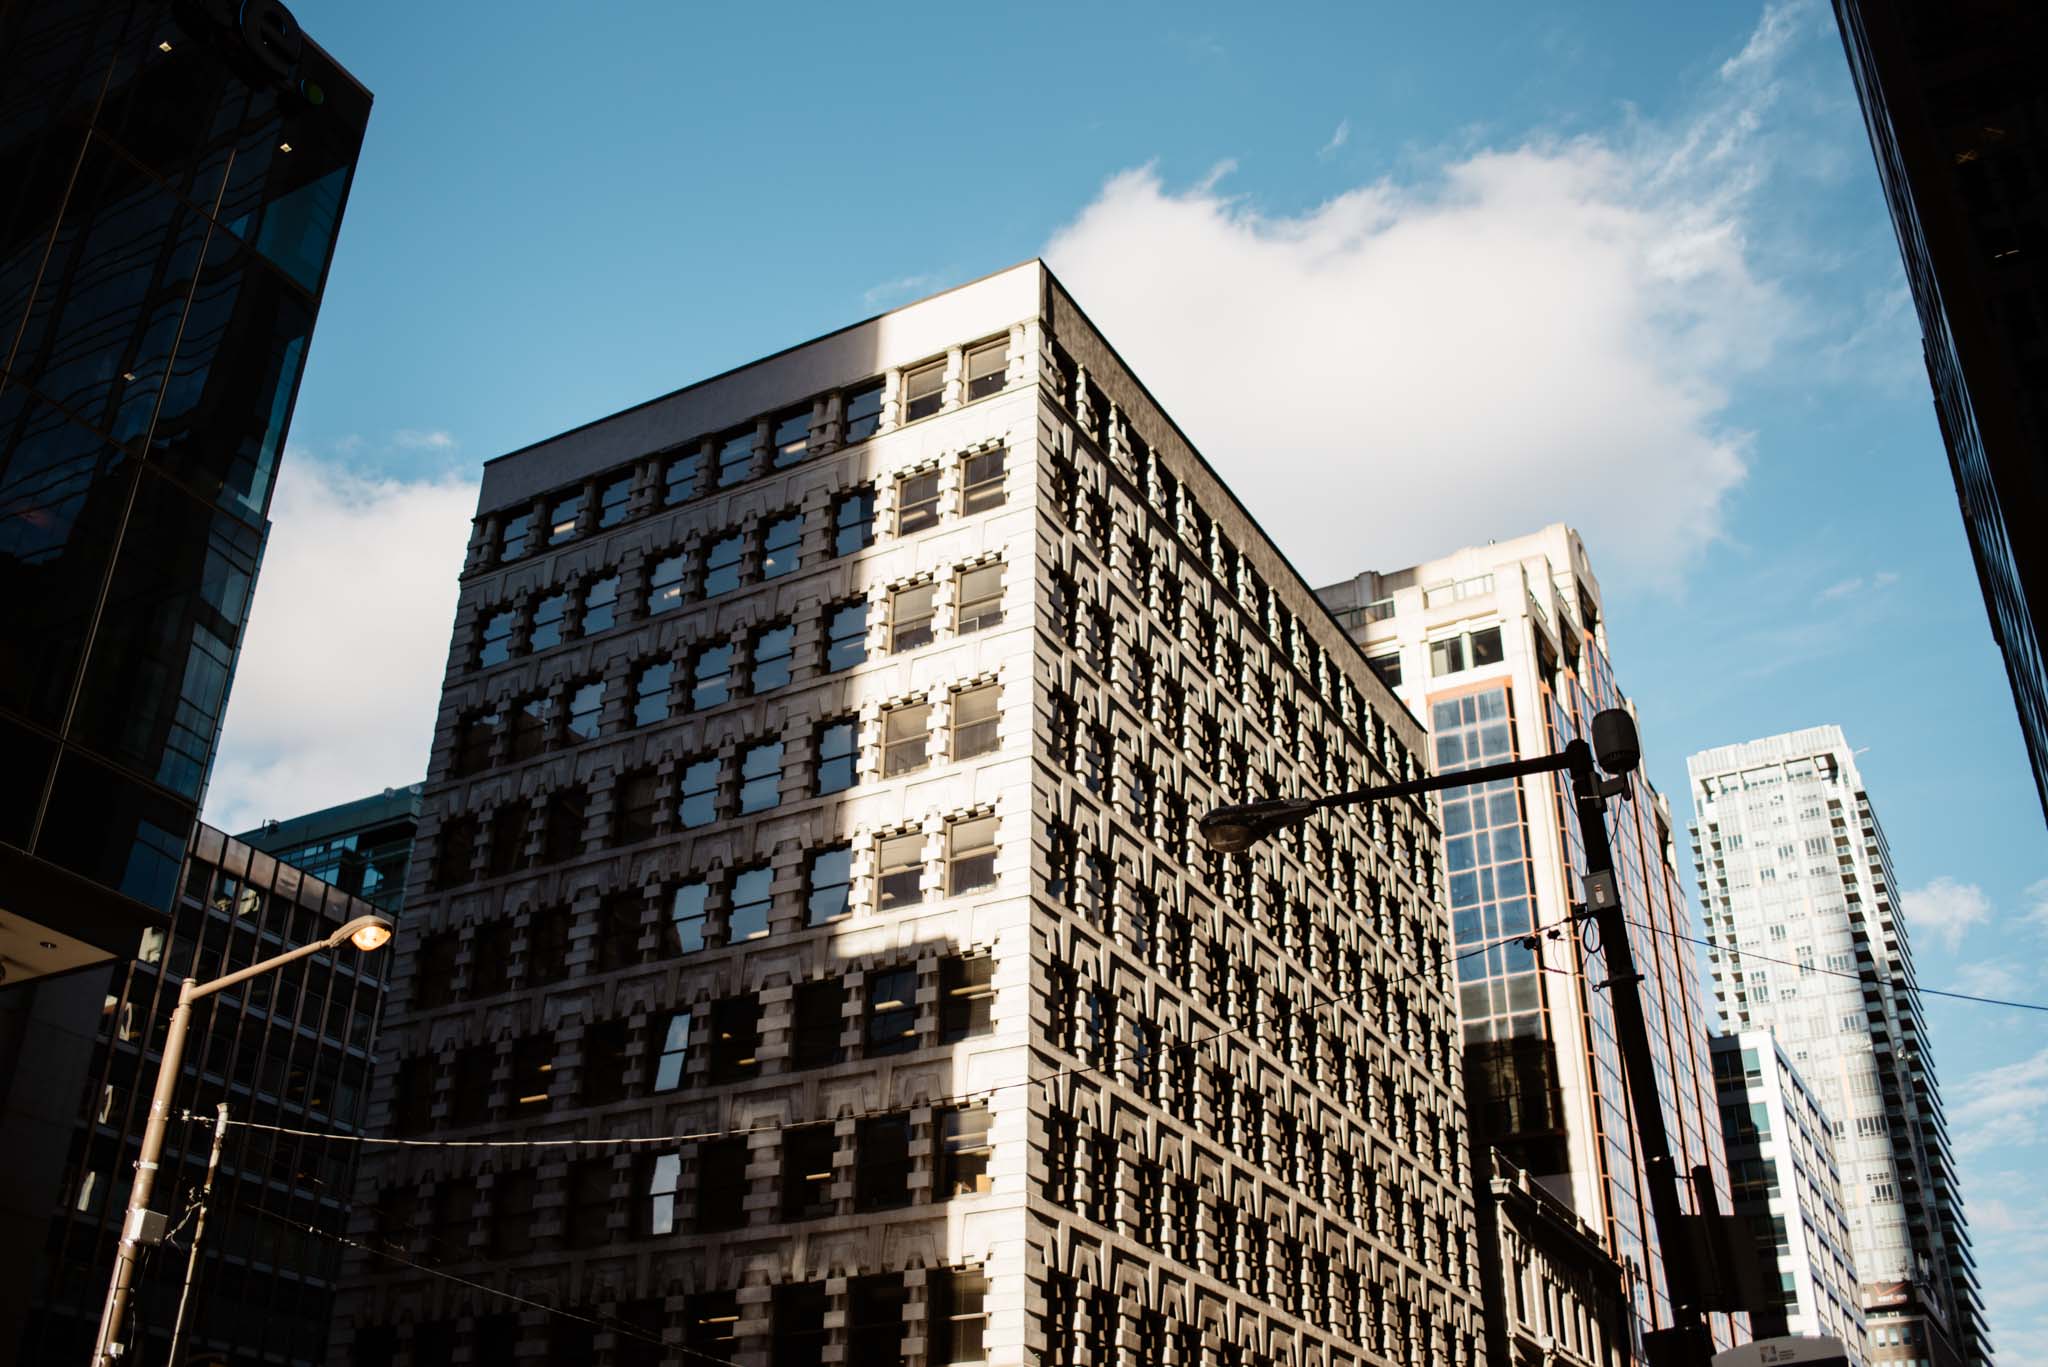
[1541,332]
[340,672]
[901,286]
[2036,914]
[1774,33]
[2003,1105]
[1841,590]
[413,439]
[1337,139]
[1989,978]
[1944,910]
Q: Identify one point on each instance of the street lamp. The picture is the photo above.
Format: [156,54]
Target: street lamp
[141,1225]
[1233,829]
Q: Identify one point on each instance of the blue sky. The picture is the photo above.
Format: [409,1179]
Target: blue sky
[1440,273]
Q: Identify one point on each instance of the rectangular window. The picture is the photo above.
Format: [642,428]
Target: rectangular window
[547,621]
[672,1064]
[986,368]
[590,1202]
[975,722]
[650,693]
[981,482]
[791,438]
[562,518]
[966,994]
[735,1039]
[735,457]
[892,1012]
[963,1151]
[533,1071]
[679,478]
[722,1184]
[494,647]
[799,1318]
[853,522]
[970,855]
[829,880]
[863,412]
[1388,667]
[846,635]
[779,544]
[980,598]
[563,835]
[774,646]
[612,500]
[917,502]
[901,871]
[710,677]
[959,1319]
[751,903]
[600,605]
[904,730]
[807,1172]
[697,796]
[665,585]
[910,617]
[635,806]
[473,743]
[687,908]
[1486,647]
[837,754]
[531,722]
[722,565]
[1447,656]
[512,542]
[585,706]
[924,390]
[663,1176]
[761,777]
[820,1020]
[882,1164]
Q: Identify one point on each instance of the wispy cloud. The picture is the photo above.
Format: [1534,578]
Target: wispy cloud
[1944,910]
[1774,33]
[428,439]
[1597,291]
[1855,584]
[2004,1105]
[1337,139]
[900,287]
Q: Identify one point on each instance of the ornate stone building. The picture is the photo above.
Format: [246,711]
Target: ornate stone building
[809,839]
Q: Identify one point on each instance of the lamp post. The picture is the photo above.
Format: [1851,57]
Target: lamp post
[140,1225]
[1236,828]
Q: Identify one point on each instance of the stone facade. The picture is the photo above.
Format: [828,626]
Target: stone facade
[932,1035]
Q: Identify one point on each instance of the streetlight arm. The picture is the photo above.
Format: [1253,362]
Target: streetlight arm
[1237,827]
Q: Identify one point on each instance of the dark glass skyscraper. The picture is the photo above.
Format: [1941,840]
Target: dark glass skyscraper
[175,176]
[362,847]
[288,1051]
[1956,100]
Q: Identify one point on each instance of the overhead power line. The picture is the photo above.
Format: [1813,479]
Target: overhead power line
[954,1099]
[617,1326]
[1839,972]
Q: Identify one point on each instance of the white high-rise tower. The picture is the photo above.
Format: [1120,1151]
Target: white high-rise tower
[1797,888]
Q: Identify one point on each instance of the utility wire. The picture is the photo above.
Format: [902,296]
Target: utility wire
[954,1099]
[1838,972]
[617,1326]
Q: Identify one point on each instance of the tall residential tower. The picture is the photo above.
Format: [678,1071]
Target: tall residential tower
[1502,649]
[815,780]
[1801,907]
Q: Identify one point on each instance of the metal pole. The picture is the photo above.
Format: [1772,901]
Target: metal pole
[220,1134]
[122,1284]
[1632,1035]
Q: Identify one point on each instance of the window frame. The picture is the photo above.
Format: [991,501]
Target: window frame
[971,859]
[987,610]
[975,387]
[838,645]
[862,526]
[887,847]
[922,512]
[812,887]
[827,762]
[904,633]
[919,401]
[773,567]
[991,724]
[975,495]
[897,744]
[684,792]
[763,876]
[888,1022]
[749,800]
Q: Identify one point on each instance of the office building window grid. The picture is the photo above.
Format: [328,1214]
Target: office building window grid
[978,860]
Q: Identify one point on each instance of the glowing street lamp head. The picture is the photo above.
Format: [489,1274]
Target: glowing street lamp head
[365,933]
